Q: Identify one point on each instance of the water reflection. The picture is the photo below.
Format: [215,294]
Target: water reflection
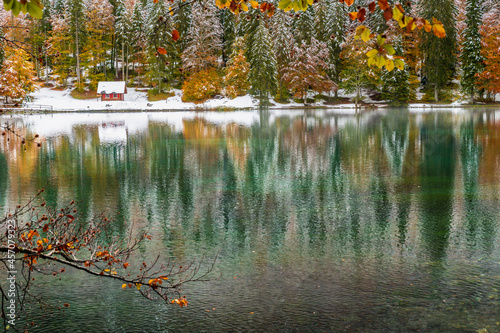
[330,222]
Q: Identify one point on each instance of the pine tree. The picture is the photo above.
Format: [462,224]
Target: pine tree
[303,25]
[204,38]
[159,27]
[330,27]
[262,64]
[283,41]
[75,10]
[439,54]
[228,23]
[246,27]
[307,69]
[472,61]
[236,78]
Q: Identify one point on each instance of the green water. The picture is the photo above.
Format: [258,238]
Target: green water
[385,222]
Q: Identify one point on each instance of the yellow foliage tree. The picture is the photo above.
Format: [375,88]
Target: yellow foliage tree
[17,75]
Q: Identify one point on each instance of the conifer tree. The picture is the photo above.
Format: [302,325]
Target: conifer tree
[330,27]
[303,25]
[159,28]
[76,14]
[228,23]
[263,64]
[439,54]
[472,61]
[283,41]
[204,38]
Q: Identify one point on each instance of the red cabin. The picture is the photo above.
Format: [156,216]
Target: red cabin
[112,90]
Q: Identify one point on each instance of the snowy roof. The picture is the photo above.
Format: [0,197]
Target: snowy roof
[110,87]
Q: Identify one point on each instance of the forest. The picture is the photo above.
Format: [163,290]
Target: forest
[207,49]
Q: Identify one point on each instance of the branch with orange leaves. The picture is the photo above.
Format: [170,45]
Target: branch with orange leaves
[36,236]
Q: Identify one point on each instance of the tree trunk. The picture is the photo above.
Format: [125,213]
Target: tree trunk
[126,71]
[436,93]
[78,78]
[123,60]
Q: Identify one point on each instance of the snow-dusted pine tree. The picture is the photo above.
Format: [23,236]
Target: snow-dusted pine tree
[228,23]
[303,25]
[236,78]
[263,67]
[307,69]
[283,41]
[330,27]
[159,27]
[472,61]
[204,38]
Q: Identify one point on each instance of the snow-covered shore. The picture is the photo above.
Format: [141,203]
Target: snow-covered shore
[58,100]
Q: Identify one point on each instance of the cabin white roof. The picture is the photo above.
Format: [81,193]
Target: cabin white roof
[111,87]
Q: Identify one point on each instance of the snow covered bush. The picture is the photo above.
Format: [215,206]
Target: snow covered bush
[201,86]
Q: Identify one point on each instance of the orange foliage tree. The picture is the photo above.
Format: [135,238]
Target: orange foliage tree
[489,79]
[17,75]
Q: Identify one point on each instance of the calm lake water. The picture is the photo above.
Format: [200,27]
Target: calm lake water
[384,222]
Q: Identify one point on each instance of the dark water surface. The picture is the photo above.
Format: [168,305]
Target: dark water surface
[386,222]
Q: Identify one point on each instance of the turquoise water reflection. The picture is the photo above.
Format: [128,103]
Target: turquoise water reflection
[383,222]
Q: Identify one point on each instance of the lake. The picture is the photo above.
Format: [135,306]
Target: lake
[384,222]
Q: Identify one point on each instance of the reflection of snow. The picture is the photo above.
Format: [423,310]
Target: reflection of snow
[56,124]
[112,134]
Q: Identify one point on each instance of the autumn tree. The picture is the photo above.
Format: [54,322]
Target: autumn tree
[99,26]
[236,79]
[356,74]
[489,78]
[59,47]
[17,75]
[307,69]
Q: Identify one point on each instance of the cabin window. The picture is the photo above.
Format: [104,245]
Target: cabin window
[115,95]
[106,95]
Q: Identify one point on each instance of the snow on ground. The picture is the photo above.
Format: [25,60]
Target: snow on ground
[138,101]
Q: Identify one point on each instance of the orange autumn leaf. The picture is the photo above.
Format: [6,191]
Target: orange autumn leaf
[362,15]
[353,15]
[181,302]
[383,4]
[372,6]
[438,28]
[388,14]
[175,37]
[125,265]
[162,50]
[349,2]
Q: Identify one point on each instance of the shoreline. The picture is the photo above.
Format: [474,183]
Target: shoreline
[345,107]
[47,100]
